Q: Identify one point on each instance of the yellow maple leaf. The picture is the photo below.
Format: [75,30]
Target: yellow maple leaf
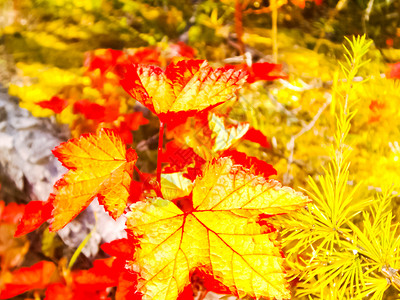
[220,235]
[99,166]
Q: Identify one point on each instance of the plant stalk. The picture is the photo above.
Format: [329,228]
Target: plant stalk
[274,6]
[159,154]
[239,25]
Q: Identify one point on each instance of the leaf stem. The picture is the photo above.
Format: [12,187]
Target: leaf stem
[82,245]
[153,183]
[159,154]
[142,177]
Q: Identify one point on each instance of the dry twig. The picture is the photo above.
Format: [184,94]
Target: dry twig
[290,146]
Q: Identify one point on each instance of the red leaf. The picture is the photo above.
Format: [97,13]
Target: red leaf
[125,133]
[178,156]
[56,104]
[182,50]
[258,166]
[11,213]
[299,3]
[193,173]
[209,282]
[58,291]
[101,276]
[256,136]
[134,120]
[262,71]
[187,294]
[268,227]
[90,110]
[126,287]
[136,190]
[146,56]
[102,59]
[133,85]
[375,106]
[36,213]
[266,71]
[120,248]
[394,70]
[2,206]
[130,123]
[302,3]
[37,276]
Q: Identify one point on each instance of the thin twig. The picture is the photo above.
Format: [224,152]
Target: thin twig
[391,275]
[366,15]
[291,144]
[239,25]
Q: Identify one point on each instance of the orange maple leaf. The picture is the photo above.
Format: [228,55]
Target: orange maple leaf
[188,86]
[220,235]
[99,166]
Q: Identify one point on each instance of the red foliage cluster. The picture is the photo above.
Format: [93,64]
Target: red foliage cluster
[201,154]
[80,284]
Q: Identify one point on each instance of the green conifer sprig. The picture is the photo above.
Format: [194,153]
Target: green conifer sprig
[333,250]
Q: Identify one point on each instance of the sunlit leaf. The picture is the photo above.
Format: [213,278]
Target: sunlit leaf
[185,87]
[99,166]
[219,235]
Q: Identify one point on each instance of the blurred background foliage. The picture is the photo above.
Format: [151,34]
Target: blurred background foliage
[58,32]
